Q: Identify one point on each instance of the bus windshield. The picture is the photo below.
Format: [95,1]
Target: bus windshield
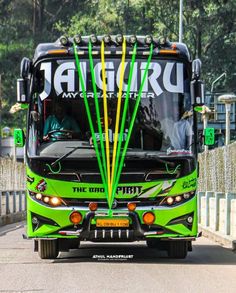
[163,121]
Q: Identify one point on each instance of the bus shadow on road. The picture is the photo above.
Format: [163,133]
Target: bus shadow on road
[140,253]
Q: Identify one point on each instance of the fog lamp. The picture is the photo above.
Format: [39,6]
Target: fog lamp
[148,40]
[107,39]
[93,206]
[77,39]
[35,221]
[93,39]
[190,219]
[148,218]
[133,39]
[64,40]
[75,218]
[131,206]
[119,39]
[162,40]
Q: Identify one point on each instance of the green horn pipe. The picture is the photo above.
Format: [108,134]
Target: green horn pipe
[122,128]
[132,121]
[97,109]
[90,119]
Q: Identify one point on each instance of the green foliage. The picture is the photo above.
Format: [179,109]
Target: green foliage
[209,32]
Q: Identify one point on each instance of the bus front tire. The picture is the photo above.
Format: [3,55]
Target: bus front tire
[178,249]
[157,243]
[48,249]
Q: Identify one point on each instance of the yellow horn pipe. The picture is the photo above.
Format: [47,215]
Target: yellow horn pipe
[106,118]
[118,110]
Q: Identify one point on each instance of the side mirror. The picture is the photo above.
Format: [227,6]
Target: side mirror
[196,68]
[25,67]
[197,89]
[22,90]
[209,136]
[19,138]
[197,86]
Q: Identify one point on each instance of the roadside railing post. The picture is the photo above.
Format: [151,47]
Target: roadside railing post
[229,197]
[200,195]
[14,201]
[25,201]
[218,196]
[20,201]
[0,203]
[7,203]
[208,195]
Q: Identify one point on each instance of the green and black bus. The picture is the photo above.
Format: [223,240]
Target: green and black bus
[111,142]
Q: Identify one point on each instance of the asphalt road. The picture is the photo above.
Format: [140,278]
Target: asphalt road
[96,268]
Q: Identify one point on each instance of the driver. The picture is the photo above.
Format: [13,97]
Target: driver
[59,121]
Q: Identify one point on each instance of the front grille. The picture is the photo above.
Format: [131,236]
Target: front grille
[118,203]
[111,234]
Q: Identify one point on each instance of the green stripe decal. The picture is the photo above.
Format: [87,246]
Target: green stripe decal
[97,110]
[100,154]
[80,76]
[122,127]
[131,123]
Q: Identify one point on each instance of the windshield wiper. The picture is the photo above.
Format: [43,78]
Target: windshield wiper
[57,161]
[151,156]
[157,158]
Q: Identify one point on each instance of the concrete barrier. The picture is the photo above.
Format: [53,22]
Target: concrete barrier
[12,206]
[217,216]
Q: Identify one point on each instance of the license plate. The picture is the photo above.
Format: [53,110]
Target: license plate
[112,223]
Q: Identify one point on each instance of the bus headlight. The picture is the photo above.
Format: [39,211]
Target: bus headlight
[38,196]
[46,199]
[53,201]
[170,200]
[177,199]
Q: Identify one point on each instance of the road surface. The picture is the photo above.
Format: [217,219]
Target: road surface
[113,268]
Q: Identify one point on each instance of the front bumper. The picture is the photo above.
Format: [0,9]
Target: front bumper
[169,223]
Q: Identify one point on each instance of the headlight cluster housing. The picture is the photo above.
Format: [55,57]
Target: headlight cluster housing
[177,199]
[52,201]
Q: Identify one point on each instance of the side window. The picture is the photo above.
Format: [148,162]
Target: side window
[34,127]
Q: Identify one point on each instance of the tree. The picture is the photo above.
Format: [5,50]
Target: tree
[209,31]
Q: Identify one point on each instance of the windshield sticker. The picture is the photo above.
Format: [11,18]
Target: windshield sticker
[192,183]
[121,190]
[30,179]
[42,185]
[61,79]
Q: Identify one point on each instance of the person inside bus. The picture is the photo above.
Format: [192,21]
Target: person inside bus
[60,121]
[181,138]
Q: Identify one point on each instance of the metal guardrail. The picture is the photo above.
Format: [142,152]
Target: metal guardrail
[12,206]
